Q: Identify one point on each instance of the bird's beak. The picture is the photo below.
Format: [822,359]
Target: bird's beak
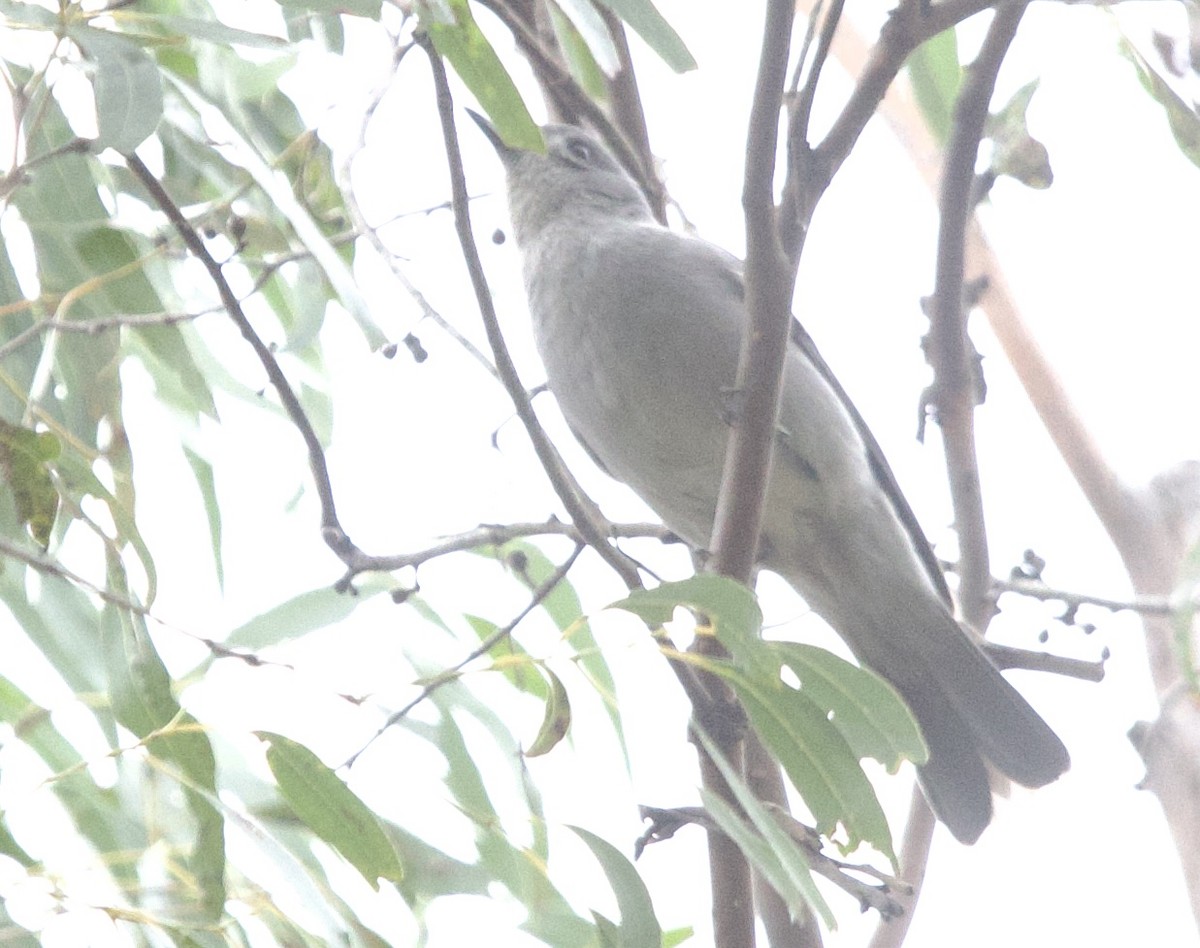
[489,130]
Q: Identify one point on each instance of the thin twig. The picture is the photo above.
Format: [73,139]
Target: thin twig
[1142,605]
[578,508]
[666,822]
[365,229]
[454,672]
[331,528]
[1007,656]
[498,535]
[954,382]
[92,327]
[909,25]
[629,115]
[46,564]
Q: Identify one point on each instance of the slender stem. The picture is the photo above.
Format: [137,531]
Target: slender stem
[331,528]
[579,510]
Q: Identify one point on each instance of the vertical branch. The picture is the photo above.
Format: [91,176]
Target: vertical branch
[949,348]
[748,457]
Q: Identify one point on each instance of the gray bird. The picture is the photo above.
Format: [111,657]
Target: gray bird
[639,329]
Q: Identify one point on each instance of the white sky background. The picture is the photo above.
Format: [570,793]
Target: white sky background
[1104,266]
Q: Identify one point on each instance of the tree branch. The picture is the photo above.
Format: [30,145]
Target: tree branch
[949,349]
[738,523]
[331,528]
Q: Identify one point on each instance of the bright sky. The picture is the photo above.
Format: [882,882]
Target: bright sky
[1103,264]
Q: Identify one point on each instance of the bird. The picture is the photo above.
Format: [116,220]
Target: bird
[639,327]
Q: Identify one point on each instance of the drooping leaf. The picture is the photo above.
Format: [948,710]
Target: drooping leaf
[331,809]
[143,702]
[659,35]
[580,59]
[562,605]
[24,475]
[364,8]
[1182,118]
[511,660]
[205,482]
[557,718]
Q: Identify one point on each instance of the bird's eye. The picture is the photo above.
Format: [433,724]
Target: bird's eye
[580,150]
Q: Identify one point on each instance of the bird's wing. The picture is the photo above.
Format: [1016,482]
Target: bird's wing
[879,465]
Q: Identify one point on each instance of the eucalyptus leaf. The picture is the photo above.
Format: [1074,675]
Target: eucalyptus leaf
[659,35]
[639,927]
[936,74]
[331,809]
[469,53]
[129,96]
[556,720]
[23,472]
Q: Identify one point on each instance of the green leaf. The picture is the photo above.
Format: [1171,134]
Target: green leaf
[97,813]
[178,380]
[467,50]
[556,720]
[364,8]
[1183,119]
[211,31]
[771,850]
[551,918]
[331,809]
[11,848]
[659,35]
[580,60]
[729,607]
[677,936]
[639,927]
[587,22]
[279,192]
[129,97]
[143,702]
[511,660]
[868,711]
[77,475]
[29,14]
[935,74]
[23,472]
[812,752]
[304,613]
[1018,154]
[203,472]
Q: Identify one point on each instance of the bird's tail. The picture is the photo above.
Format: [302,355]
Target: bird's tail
[968,712]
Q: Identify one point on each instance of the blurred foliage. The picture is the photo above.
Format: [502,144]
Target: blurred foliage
[107,281]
